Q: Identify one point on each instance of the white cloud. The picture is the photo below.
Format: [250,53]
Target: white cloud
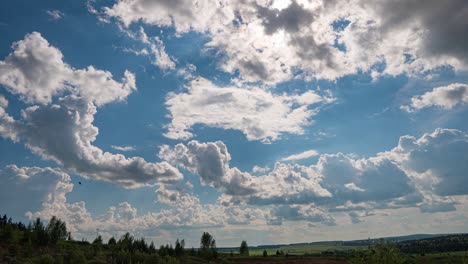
[268,42]
[64,131]
[303,155]
[258,169]
[123,148]
[36,72]
[446,97]
[3,102]
[162,60]
[259,114]
[7,123]
[184,15]
[55,14]
[284,184]
[437,160]
[28,188]
[419,172]
[41,192]
[155,49]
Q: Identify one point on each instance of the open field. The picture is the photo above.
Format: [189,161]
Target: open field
[291,260]
[460,257]
[305,249]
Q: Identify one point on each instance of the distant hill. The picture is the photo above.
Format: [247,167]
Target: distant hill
[361,242]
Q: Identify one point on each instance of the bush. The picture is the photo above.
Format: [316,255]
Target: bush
[77,257]
[46,259]
[382,253]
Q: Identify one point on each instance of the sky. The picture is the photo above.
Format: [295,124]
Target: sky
[270,121]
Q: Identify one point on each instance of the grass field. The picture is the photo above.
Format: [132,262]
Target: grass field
[305,249]
[460,257]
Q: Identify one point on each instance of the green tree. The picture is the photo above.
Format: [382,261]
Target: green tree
[179,248]
[40,236]
[208,246]
[265,253]
[205,241]
[244,248]
[112,241]
[98,240]
[56,230]
[152,248]
[126,242]
[7,233]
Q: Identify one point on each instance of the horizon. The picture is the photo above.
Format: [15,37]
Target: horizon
[269,121]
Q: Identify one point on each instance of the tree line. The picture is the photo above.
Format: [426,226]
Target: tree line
[39,242]
[51,242]
[435,245]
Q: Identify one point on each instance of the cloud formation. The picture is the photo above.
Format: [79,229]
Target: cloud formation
[123,148]
[303,155]
[32,187]
[285,184]
[405,176]
[63,131]
[55,14]
[438,159]
[422,172]
[36,72]
[321,39]
[446,97]
[257,113]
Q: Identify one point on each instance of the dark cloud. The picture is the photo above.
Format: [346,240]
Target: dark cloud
[291,18]
[445,23]
[441,154]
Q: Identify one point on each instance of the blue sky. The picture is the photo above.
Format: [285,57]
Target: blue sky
[271,121]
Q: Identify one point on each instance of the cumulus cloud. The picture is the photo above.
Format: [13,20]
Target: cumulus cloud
[303,155]
[63,131]
[3,102]
[32,187]
[36,72]
[405,176]
[257,113]
[258,169]
[446,97]
[41,192]
[263,41]
[184,15]
[123,148]
[285,184]
[438,159]
[418,172]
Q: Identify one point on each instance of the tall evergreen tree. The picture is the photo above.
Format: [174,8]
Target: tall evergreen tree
[244,248]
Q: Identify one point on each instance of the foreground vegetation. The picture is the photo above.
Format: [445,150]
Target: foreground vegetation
[52,243]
